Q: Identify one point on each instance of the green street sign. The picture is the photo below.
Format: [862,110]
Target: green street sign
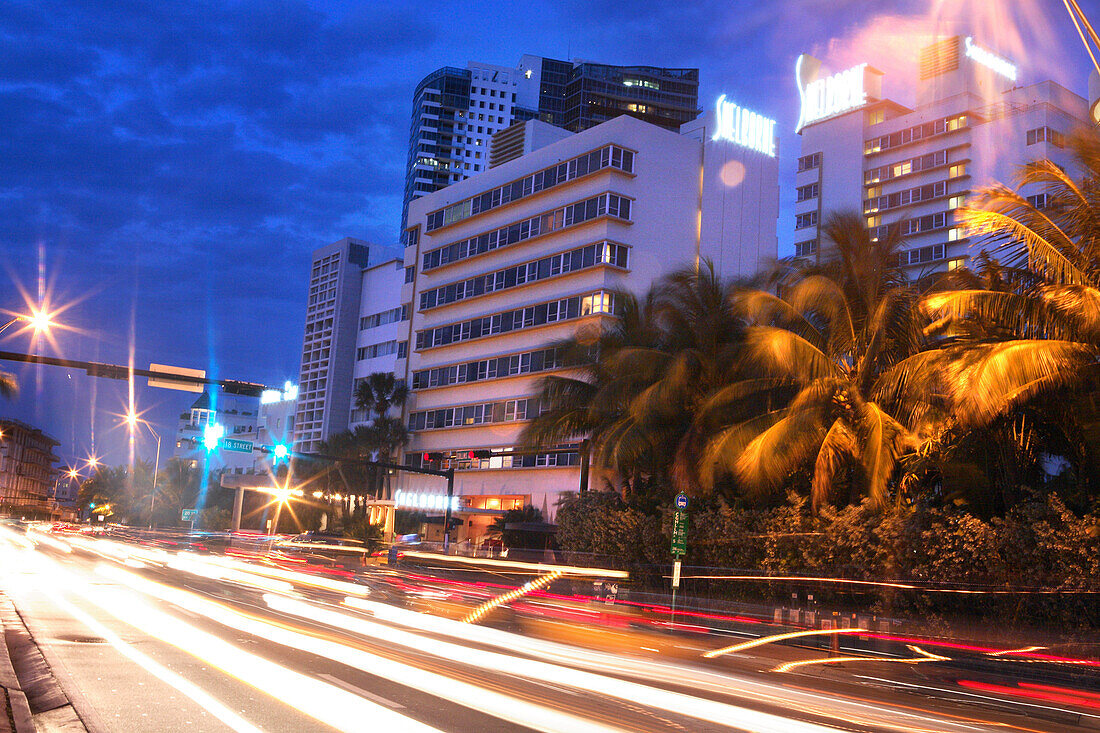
[240,446]
[189,515]
[679,532]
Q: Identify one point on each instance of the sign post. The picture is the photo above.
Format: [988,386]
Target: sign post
[679,547]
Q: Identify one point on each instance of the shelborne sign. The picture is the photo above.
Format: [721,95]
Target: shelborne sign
[828,96]
[744,127]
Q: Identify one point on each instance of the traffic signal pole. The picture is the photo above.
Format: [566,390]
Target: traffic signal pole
[447,512]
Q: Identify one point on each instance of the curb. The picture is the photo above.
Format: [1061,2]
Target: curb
[36,701]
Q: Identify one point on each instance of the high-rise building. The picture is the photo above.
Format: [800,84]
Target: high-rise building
[456,111]
[27,473]
[532,251]
[329,343]
[974,123]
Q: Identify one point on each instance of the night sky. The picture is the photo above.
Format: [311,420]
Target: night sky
[167,168]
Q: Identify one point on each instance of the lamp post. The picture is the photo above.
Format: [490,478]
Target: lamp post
[132,420]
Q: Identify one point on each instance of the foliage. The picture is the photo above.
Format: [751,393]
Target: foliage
[519,538]
[599,523]
[9,388]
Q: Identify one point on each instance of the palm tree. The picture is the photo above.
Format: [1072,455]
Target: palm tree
[836,359]
[379,392]
[1046,328]
[642,376]
[383,440]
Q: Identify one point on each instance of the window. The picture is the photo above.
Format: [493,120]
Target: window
[959,169]
[876,116]
[807,192]
[1039,200]
[905,167]
[1046,135]
[807,162]
[410,274]
[476,414]
[805,249]
[955,202]
[803,221]
[913,134]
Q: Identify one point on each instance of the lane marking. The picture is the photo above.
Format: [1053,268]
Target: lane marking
[333,679]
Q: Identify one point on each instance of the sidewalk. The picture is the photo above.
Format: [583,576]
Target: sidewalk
[33,700]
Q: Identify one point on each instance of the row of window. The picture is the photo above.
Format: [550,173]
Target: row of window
[606,204]
[372,351]
[923,254]
[1039,200]
[530,362]
[886,202]
[482,414]
[604,253]
[610,156]
[514,320]
[913,134]
[393,315]
[1046,135]
[804,221]
[916,225]
[809,191]
[808,162]
[905,167]
[502,460]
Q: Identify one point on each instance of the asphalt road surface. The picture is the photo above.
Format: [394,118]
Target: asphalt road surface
[149,640]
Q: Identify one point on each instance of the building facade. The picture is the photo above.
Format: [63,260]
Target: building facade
[975,122]
[27,472]
[456,111]
[329,342]
[510,261]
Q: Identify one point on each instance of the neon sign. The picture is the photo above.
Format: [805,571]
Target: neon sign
[821,98]
[990,60]
[744,127]
[415,500]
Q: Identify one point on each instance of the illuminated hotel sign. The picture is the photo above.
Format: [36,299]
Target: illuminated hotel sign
[990,60]
[744,127]
[416,500]
[821,98]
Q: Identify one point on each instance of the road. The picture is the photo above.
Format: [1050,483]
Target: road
[152,640]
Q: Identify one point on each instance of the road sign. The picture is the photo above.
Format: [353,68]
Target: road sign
[676,574]
[681,500]
[240,446]
[189,515]
[168,383]
[679,532]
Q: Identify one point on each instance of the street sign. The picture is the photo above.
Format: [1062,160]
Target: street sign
[681,501]
[679,532]
[676,574]
[168,383]
[240,446]
[189,515]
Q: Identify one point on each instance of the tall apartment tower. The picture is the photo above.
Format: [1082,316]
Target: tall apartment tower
[973,124]
[329,344]
[456,111]
[507,263]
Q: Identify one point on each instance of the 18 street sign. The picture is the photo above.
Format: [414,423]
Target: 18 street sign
[240,446]
[680,526]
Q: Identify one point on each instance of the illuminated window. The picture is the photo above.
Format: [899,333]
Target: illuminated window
[955,202]
[959,169]
[874,221]
[876,116]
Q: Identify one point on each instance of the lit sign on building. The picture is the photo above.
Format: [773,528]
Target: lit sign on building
[415,500]
[288,392]
[744,127]
[990,60]
[830,96]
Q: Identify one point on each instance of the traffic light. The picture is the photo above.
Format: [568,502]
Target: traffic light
[480,454]
[279,452]
[211,434]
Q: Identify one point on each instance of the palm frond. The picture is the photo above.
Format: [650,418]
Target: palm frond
[781,353]
[9,388]
[838,445]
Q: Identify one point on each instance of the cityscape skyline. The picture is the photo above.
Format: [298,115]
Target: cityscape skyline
[188,235]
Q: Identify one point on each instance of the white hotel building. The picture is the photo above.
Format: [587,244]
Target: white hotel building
[975,121]
[501,265]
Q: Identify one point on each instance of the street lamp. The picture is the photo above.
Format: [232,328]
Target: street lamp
[38,319]
[132,421]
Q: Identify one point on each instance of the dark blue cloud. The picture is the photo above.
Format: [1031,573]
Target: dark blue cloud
[176,163]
